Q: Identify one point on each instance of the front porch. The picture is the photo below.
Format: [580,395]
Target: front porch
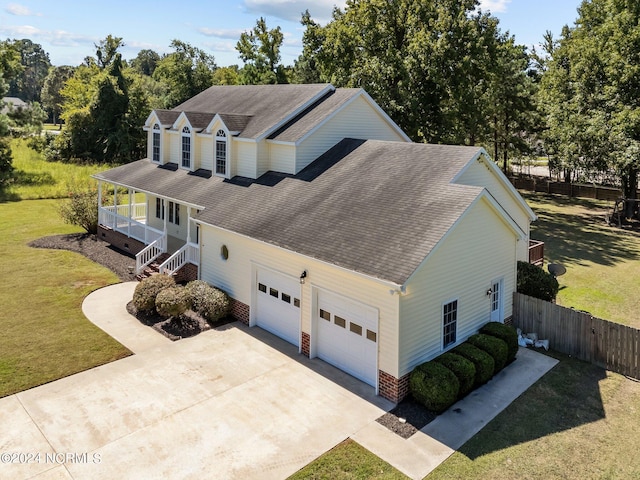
[129,227]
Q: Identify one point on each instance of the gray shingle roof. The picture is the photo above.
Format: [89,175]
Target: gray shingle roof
[166,117]
[373,207]
[263,106]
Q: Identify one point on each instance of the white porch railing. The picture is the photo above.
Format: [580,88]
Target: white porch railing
[189,253]
[113,218]
[150,253]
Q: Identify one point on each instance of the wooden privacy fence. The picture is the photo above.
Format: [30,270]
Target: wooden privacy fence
[609,345]
[544,185]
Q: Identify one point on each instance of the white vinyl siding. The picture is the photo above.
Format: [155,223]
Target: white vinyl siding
[283,158]
[478,174]
[237,277]
[205,149]
[244,155]
[262,158]
[357,120]
[479,249]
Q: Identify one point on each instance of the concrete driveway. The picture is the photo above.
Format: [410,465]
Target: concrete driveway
[230,403]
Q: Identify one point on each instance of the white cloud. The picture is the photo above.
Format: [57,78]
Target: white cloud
[54,37]
[494,6]
[220,33]
[20,11]
[291,10]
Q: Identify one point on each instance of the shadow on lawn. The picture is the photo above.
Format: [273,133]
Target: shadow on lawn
[567,397]
[575,238]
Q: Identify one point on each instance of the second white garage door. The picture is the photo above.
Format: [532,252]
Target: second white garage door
[348,336]
[278,305]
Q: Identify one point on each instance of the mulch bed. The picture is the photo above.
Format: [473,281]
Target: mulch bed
[407,418]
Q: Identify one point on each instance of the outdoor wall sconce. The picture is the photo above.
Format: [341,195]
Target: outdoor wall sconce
[303,275]
[489,292]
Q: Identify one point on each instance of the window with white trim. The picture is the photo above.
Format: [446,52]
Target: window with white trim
[174,213]
[221,153]
[186,147]
[155,145]
[159,208]
[449,323]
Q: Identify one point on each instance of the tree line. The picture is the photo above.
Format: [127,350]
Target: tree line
[442,69]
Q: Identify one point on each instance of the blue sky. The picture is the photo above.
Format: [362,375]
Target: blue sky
[68,29]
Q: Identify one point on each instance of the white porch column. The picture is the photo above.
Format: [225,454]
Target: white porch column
[100,216]
[115,207]
[188,224]
[130,213]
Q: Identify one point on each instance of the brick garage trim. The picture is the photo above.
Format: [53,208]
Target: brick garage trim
[392,388]
[187,273]
[240,311]
[306,344]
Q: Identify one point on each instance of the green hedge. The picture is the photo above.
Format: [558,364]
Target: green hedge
[481,360]
[434,386]
[535,282]
[462,368]
[494,346]
[506,333]
[173,301]
[144,296]
[210,302]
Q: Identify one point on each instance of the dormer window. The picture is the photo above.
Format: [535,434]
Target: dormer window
[155,143]
[221,153]
[186,147]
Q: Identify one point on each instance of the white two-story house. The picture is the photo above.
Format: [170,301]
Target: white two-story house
[325,224]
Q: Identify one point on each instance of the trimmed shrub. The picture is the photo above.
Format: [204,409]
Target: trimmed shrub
[434,386]
[462,368]
[481,360]
[494,346]
[535,282]
[506,333]
[144,296]
[211,303]
[173,301]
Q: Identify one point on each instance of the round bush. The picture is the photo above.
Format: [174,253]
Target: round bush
[211,303]
[493,346]
[462,368]
[506,333]
[481,360]
[144,296]
[535,282]
[434,386]
[173,301]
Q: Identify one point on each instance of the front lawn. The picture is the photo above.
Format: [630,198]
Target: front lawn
[603,262]
[45,336]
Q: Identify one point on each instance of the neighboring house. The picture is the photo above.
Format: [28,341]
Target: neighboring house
[11,103]
[325,224]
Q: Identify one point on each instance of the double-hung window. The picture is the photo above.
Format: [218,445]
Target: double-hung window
[159,208]
[155,149]
[186,147]
[221,153]
[449,323]
[174,213]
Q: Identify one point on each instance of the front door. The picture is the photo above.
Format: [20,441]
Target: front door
[496,301]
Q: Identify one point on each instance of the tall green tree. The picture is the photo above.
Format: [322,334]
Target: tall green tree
[429,64]
[107,49]
[186,72]
[596,71]
[27,85]
[145,62]
[53,84]
[259,49]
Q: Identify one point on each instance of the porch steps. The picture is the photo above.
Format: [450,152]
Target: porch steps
[153,268]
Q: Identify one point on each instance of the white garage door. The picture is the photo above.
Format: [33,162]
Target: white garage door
[348,336]
[278,305]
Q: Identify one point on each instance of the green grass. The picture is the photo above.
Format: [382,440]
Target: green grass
[603,262]
[348,461]
[577,422]
[45,336]
[35,178]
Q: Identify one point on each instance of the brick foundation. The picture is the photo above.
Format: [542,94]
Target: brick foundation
[120,241]
[392,388]
[187,273]
[306,344]
[240,311]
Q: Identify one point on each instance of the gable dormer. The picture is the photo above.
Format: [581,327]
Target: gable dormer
[158,144]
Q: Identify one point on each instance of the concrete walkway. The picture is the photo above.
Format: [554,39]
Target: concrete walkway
[229,403]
